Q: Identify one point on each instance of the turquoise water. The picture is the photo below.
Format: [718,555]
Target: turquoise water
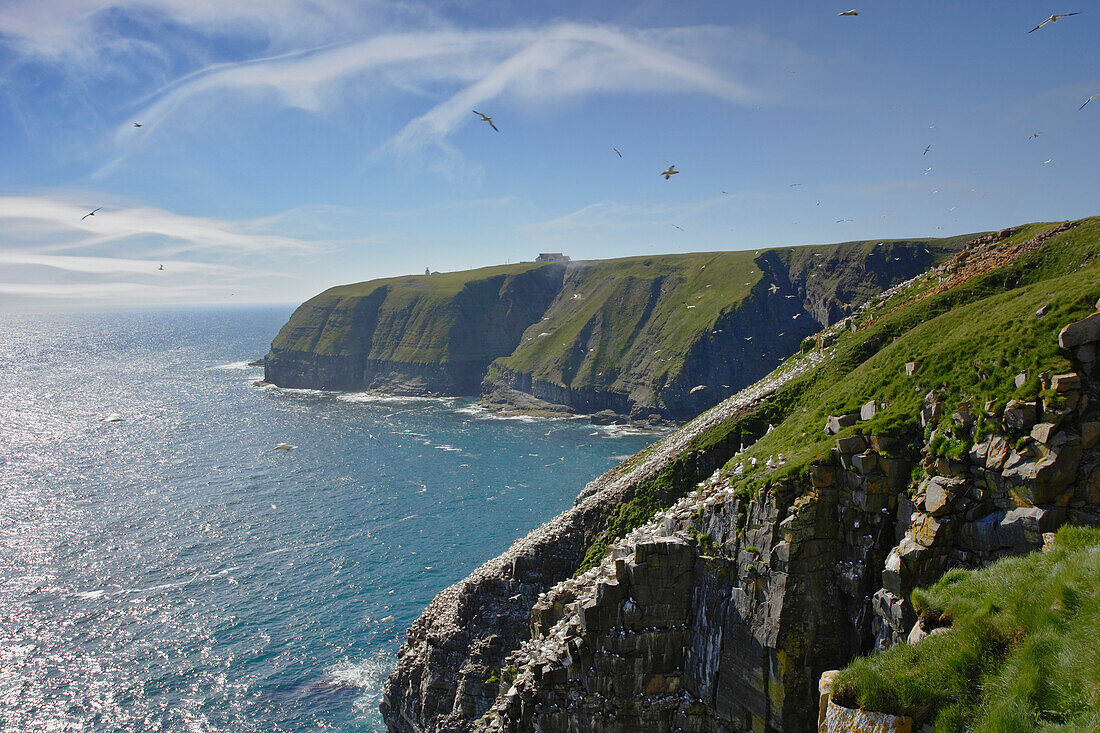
[172,571]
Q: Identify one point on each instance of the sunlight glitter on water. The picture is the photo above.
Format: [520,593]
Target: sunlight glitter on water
[172,571]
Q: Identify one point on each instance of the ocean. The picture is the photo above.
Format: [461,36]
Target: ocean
[172,571]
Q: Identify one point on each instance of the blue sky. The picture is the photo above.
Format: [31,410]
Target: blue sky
[290,145]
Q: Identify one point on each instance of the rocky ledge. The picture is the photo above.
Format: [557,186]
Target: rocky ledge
[722,613]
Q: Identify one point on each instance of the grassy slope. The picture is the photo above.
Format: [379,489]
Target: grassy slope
[1023,653]
[414,314]
[970,341]
[626,347]
[622,325]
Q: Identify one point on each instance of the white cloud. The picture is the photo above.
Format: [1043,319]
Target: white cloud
[106,265]
[62,223]
[81,31]
[51,250]
[531,65]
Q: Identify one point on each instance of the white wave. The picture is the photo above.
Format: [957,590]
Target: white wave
[391,398]
[89,594]
[366,675]
[297,391]
[618,431]
[482,413]
[236,365]
[448,448]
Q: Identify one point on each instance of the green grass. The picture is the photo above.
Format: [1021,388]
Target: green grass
[628,326]
[1023,653]
[407,319]
[625,310]
[970,342]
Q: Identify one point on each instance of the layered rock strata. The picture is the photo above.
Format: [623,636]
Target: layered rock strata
[443,678]
[722,614]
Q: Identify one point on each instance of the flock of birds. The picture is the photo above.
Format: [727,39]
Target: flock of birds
[671,170]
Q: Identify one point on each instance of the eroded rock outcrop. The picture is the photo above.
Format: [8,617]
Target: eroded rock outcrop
[444,676]
[722,614]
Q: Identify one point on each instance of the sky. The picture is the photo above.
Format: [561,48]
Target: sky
[286,146]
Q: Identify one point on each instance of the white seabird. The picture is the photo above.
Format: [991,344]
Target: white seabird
[1052,19]
[486,118]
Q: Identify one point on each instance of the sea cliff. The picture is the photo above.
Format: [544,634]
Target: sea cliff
[650,338]
[706,583]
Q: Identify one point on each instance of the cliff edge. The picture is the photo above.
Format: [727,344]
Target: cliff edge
[706,584]
[661,337]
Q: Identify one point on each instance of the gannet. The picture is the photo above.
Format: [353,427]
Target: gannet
[1052,19]
[485,118]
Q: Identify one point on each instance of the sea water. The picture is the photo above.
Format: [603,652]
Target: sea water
[172,571]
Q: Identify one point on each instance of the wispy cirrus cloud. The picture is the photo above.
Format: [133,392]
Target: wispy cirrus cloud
[52,250]
[462,69]
[105,265]
[90,32]
[58,224]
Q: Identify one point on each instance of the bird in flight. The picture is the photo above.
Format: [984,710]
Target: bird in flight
[91,213]
[1034,135]
[161,267]
[617,152]
[792,185]
[672,171]
[840,220]
[679,227]
[137,124]
[485,118]
[850,12]
[1094,96]
[1052,19]
[927,170]
[773,288]
[926,149]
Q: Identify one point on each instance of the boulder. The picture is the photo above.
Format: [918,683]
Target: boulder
[868,410]
[939,494]
[911,367]
[850,445]
[1042,431]
[1085,331]
[846,720]
[866,462]
[1020,379]
[607,417]
[835,423]
[1020,416]
[1067,382]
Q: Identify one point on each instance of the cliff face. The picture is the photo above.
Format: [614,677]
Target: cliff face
[952,421]
[662,337]
[411,335]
